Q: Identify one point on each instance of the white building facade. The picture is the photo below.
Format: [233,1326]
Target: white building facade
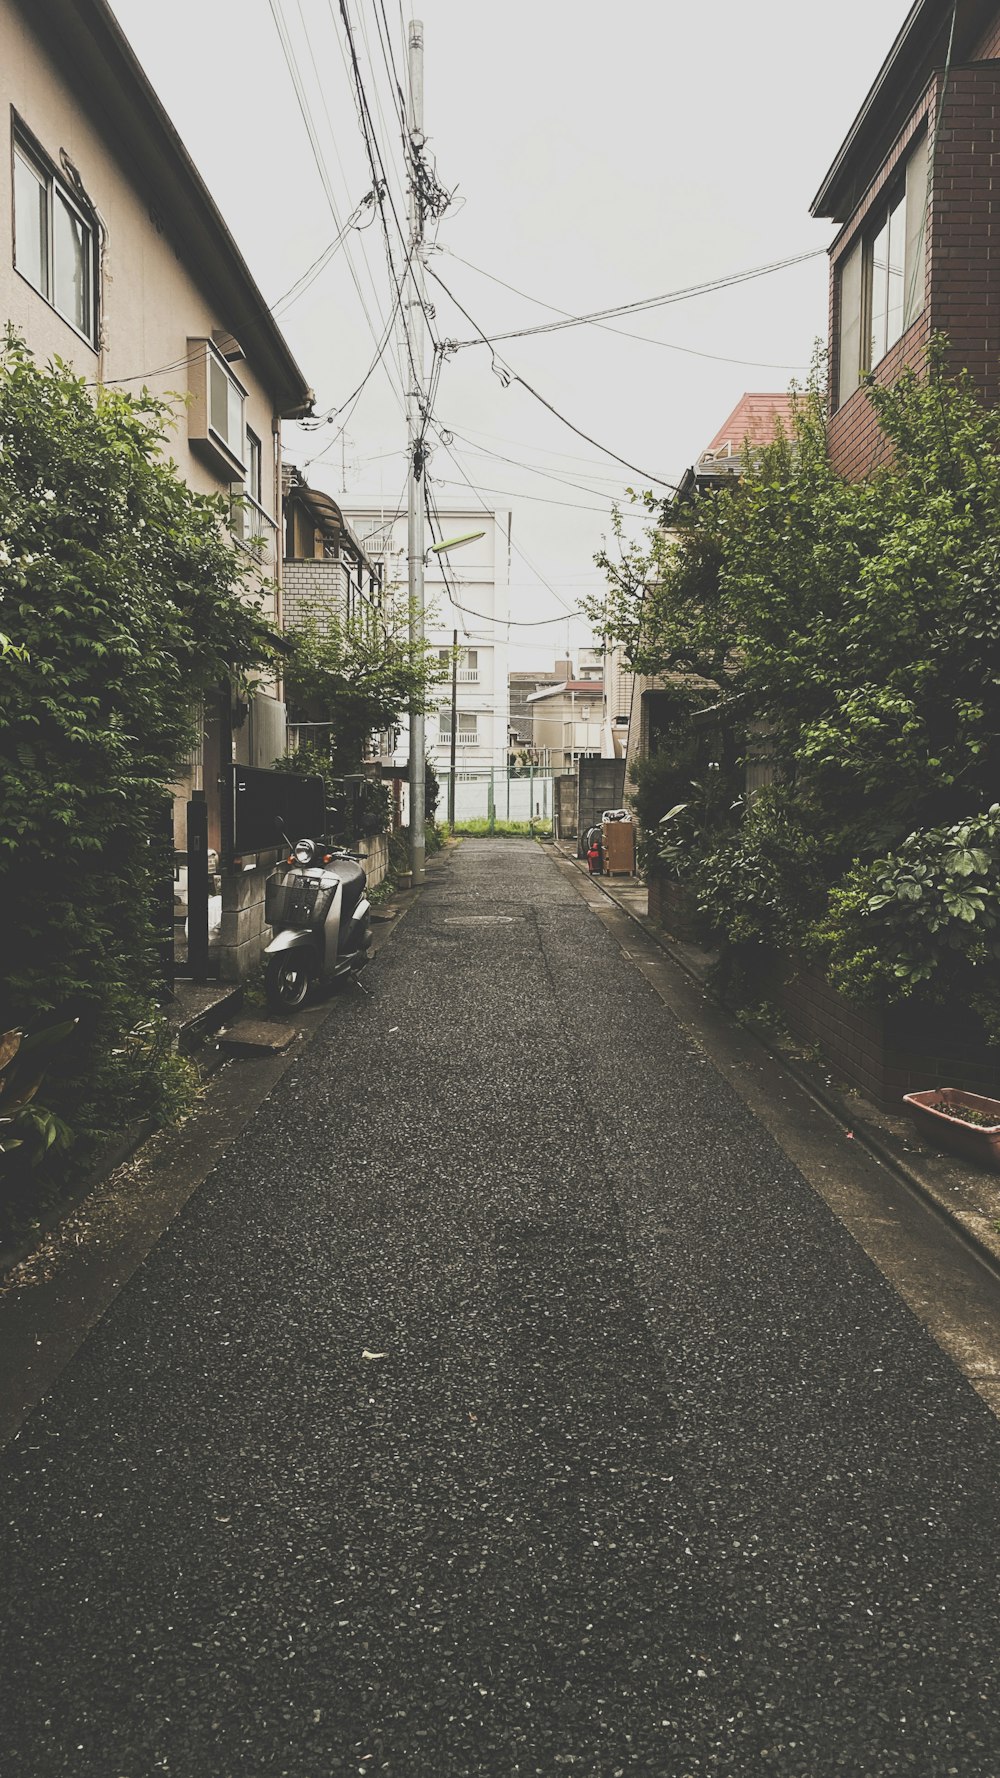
[466,595]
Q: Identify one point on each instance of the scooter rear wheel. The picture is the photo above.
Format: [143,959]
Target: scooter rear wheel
[287,982]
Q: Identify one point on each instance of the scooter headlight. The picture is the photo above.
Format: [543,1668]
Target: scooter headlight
[305,852]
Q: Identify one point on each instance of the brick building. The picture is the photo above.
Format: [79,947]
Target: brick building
[916,188]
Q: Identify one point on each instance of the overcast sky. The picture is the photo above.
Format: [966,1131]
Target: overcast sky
[602,155]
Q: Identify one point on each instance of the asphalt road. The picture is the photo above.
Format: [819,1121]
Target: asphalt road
[504,1403]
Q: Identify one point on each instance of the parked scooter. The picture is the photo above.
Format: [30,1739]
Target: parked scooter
[319,914]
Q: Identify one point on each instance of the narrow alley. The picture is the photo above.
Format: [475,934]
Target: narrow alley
[505,1402]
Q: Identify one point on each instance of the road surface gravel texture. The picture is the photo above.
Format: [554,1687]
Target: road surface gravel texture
[504,1403]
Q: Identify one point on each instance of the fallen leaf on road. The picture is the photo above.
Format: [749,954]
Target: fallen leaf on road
[367,1354]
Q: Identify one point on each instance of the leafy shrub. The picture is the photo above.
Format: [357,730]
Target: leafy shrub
[125,606]
[925,920]
[856,626]
[756,890]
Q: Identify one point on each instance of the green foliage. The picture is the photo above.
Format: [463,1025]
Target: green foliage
[25,1122]
[480,829]
[925,919]
[125,607]
[756,889]
[359,679]
[856,625]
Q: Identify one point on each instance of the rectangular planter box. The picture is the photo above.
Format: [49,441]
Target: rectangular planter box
[974,1142]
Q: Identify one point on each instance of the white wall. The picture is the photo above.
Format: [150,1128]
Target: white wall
[477,578]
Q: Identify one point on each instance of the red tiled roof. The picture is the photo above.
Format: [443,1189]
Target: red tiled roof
[757,418]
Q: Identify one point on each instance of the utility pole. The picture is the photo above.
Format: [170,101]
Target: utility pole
[454,729]
[415,421]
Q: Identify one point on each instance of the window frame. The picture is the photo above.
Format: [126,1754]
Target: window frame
[903,197]
[24,145]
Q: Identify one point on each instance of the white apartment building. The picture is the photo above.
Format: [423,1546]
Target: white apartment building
[467,596]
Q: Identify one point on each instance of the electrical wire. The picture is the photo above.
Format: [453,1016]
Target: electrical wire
[508,375]
[635,308]
[535,468]
[526,559]
[353,399]
[374,153]
[318,155]
[538,499]
[647,339]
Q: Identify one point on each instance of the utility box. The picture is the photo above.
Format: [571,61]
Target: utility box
[618,840]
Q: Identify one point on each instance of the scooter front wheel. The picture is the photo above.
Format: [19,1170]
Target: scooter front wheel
[287,982]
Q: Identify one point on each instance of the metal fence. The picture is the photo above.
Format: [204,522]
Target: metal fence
[492,793]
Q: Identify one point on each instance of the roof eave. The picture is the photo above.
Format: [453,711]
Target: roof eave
[920,47]
[99,64]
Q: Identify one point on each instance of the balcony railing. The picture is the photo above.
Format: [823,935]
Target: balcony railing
[468,675]
[461,740]
[254,529]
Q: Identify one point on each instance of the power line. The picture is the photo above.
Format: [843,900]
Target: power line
[539,499]
[318,155]
[508,375]
[647,339]
[535,468]
[634,308]
[526,559]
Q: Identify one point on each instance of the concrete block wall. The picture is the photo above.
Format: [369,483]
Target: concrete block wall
[243,934]
[314,592]
[374,851]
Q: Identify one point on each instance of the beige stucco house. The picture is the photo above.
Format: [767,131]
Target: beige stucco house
[114,256]
[566,723]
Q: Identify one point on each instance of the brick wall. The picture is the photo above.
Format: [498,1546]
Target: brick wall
[857,445]
[965,232]
[886,1054]
[963,252]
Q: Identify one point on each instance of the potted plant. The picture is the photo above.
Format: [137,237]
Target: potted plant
[967,1123]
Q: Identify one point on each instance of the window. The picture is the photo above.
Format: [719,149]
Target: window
[225,405]
[253,466]
[882,277]
[54,240]
[245,522]
[468,729]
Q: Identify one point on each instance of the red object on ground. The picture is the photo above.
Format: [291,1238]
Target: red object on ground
[594,860]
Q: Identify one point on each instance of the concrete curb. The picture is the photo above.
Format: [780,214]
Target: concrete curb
[977,1230]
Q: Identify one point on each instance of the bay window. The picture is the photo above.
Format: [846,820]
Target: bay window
[881,280]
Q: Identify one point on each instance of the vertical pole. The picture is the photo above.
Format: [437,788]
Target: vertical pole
[197,868]
[531,798]
[454,729]
[493,802]
[415,396]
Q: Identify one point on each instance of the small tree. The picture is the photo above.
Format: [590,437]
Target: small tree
[855,625]
[124,606]
[357,678]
